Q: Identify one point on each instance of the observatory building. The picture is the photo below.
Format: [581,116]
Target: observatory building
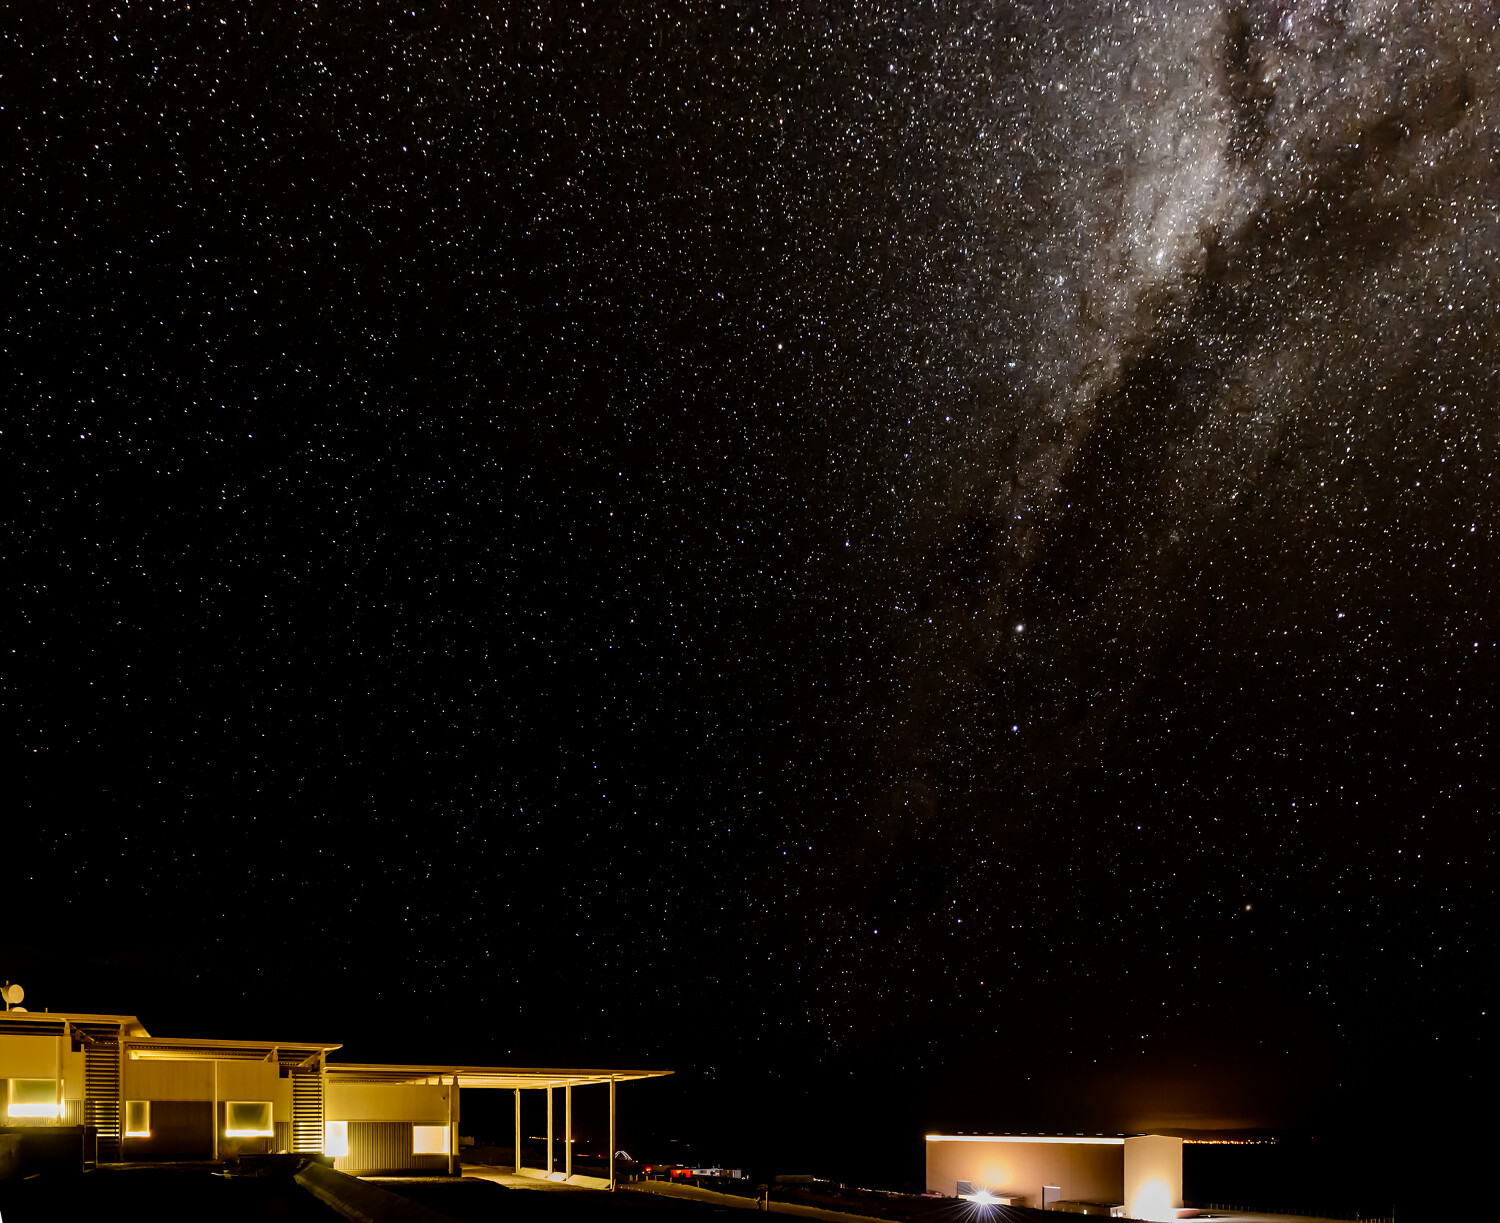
[1139,1177]
[132,1096]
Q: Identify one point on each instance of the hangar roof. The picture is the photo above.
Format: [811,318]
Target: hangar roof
[1099,1140]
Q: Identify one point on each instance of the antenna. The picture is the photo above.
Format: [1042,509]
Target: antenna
[12,994]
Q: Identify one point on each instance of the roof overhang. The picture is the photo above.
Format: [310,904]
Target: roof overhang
[482,1076]
[192,1049]
[1070,1139]
[44,1019]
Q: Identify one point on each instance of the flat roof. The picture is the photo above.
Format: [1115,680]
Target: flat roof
[130,1023]
[482,1076]
[142,1046]
[192,1048]
[1098,1140]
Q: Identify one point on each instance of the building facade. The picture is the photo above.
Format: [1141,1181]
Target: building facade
[147,1098]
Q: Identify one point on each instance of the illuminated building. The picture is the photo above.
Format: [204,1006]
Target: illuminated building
[154,1098]
[1140,1175]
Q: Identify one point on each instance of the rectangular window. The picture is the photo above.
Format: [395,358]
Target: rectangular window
[248,1119]
[138,1118]
[33,1098]
[336,1138]
[429,1140]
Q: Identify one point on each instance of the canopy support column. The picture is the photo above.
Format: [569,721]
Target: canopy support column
[549,1129]
[568,1130]
[453,1128]
[58,1082]
[322,1101]
[518,1131]
[611,1132]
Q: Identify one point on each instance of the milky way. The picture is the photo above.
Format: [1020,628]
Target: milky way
[1238,242]
[826,546]
[1181,494]
[1193,568]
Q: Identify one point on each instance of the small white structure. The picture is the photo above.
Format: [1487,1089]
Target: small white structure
[1141,1172]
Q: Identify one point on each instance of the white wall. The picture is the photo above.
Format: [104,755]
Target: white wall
[194,1080]
[1153,1176]
[169,1080]
[425,1105]
[35,1057]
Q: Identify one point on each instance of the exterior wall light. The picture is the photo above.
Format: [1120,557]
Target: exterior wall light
[429,1140]
[336,1138]
[248,1119]
[138,1118]
[33,1098]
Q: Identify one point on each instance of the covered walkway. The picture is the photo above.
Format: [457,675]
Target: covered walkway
[516,1079]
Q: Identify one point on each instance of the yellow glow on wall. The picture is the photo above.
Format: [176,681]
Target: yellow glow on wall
[33,1098]
[138,1118]
[248,1119]
[1153,1201]
[429,1140]
[336,1138]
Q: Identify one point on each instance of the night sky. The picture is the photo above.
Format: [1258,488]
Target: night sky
[925,566]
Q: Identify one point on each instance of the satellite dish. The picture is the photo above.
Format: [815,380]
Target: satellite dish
[13,993]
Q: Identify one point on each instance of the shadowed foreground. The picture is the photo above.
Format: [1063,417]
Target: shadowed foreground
[163,1195]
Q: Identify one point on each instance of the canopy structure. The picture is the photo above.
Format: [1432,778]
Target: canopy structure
[483,1076]
[517,1079]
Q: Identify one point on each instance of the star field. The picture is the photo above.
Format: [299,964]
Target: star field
[925,565]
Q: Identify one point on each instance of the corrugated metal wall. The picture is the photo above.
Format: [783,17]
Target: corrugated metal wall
[183,1129]
[180,1129]
[385,1146]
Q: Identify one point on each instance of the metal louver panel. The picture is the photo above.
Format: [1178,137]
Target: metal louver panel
[307,1112]
[101,1096]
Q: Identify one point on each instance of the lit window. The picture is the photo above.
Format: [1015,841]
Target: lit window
[336,1138]
[429,1140]
[138,1118]
[33,1098]
[248,1119]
